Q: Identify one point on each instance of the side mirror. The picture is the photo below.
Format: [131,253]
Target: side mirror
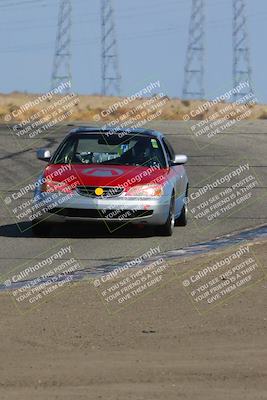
[43,154]
[180,159]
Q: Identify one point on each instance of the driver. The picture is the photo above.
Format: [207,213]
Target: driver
[138,154]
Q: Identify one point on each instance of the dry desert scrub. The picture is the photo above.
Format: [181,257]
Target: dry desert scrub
[89,106]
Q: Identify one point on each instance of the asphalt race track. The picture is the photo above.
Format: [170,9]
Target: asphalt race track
[95,245]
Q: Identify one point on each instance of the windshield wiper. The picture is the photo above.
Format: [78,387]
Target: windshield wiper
[109,164]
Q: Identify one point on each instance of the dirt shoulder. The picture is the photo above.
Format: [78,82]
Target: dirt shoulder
[159,347]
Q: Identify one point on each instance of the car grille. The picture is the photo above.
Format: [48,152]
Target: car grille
[108,191]
[104,214]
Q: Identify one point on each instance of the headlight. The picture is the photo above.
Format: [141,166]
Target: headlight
[53,186]
[152,190]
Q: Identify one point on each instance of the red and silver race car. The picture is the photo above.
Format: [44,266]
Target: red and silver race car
[112,176]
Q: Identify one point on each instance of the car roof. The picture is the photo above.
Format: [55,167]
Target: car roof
[97,129]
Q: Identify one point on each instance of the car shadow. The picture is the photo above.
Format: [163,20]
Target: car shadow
[78,230]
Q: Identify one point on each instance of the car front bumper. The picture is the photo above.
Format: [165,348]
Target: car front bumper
[60,207]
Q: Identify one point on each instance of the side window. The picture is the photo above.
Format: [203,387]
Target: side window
[66,153]
[169,150]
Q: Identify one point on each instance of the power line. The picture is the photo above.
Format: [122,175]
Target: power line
[21,3]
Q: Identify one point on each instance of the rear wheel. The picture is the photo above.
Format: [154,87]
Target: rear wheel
[183,217]
[167,228]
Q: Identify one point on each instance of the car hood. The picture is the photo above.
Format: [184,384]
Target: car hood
[106,175]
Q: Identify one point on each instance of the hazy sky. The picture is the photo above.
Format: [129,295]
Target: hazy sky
[152,38]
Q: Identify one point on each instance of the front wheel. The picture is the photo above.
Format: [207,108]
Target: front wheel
[167,228]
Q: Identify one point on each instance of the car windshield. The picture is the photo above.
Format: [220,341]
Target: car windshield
[107,149]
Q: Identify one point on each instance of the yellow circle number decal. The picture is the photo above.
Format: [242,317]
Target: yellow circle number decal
[99,191]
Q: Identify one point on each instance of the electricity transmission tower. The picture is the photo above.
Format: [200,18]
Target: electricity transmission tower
[111,78]
[241,54]
[62,59]
[194,65]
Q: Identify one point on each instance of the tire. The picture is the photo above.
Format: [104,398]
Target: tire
[183,217]
[40,228]
[167,228]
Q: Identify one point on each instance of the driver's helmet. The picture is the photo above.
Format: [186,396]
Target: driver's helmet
[141,150]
